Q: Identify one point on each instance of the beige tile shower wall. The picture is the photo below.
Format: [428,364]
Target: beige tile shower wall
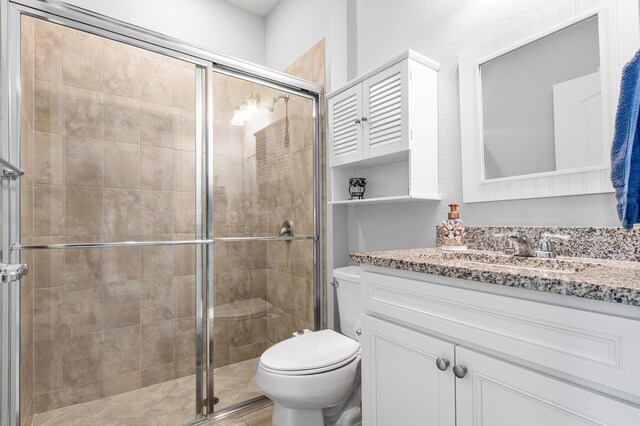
[289,192]
[27,404]
[285,191]
[263,174]
[240,270]
[113,160]
[311,66]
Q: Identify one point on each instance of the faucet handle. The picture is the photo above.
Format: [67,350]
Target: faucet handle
[508,244]
[521,235]
[547,248]
[518,234]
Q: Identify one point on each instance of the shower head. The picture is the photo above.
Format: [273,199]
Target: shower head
[270,106]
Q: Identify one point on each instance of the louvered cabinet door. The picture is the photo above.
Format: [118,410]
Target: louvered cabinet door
[385,106]
[345,126]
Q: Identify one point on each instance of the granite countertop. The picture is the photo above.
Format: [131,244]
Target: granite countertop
[599,279]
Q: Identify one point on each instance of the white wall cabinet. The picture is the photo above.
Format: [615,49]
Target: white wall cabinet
[369,119]
[345,116]
[383,126]
[386,109]
[525,363]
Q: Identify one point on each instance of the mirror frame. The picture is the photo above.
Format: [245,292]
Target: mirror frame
[619,39]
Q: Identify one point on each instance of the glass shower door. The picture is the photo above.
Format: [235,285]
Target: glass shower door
[109,226]
[263,271]
[143,240]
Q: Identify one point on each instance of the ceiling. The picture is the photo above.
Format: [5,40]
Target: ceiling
[257,7]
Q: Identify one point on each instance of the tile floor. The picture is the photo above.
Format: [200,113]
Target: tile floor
[164,404]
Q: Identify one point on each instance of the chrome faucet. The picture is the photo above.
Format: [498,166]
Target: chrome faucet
[521,245]
[518,244]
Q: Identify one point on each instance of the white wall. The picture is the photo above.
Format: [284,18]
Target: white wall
[211,24]
[294,26]
[291,28]
[441,30]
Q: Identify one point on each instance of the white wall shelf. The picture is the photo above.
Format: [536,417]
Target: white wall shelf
[383,200]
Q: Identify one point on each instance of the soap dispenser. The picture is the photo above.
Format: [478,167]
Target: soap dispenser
[452,231]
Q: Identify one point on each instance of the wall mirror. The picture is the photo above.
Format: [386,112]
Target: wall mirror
[538,102]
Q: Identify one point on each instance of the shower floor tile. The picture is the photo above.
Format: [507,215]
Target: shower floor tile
[164,404]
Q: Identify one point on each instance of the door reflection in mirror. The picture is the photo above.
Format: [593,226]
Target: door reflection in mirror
[541,105]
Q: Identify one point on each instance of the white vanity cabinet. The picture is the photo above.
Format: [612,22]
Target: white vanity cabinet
[383,126]
[526,362]
[400,380]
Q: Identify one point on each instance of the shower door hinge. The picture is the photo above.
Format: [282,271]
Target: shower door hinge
[12,272]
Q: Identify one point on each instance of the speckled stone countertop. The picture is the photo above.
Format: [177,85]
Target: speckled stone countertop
[598,279]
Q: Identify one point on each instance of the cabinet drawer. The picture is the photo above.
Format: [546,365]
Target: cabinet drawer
[592,347]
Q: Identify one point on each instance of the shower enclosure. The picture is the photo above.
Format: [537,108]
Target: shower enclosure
[145,184]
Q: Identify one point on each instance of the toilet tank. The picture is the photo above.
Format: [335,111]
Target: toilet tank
[348,293]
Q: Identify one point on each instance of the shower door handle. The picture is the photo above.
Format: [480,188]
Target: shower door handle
[12,272]
[9,171]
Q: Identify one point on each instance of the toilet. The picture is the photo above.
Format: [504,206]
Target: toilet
[314,379]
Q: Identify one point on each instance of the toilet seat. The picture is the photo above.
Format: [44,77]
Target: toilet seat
[312,353]
[324,369]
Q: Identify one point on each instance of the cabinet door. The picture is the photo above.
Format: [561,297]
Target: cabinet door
[386,111]
[497,393]
[345,126]
[401,384]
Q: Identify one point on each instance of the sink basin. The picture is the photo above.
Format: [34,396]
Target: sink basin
[557,265]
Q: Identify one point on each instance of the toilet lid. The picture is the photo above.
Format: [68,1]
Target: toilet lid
[313,351]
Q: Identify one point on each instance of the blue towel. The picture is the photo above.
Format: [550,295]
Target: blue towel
[625,150]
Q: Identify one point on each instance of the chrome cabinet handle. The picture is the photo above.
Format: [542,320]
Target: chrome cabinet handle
[460,371]
[442,364]
[357,121]
[358,332]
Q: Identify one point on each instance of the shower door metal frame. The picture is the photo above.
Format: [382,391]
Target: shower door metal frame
[208,62]
[10,310]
